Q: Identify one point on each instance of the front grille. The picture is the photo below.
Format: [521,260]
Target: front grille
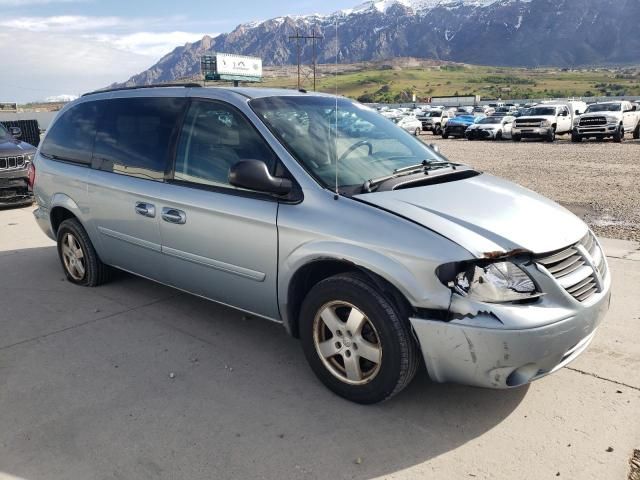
[579,269]
[12,163]
[528,123]
[593,121]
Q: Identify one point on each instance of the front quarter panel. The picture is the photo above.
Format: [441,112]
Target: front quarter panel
[403,253]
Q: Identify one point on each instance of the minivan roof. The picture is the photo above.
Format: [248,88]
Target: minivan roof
[249,92]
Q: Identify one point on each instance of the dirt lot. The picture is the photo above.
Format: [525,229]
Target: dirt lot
[599,181]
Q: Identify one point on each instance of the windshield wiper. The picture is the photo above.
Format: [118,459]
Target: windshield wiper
[425,166]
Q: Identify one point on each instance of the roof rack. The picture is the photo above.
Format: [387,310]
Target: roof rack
[161,85]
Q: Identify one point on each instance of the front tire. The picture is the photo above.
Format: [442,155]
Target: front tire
[575,138]
[636,132]
[357,342]
[445,135]
[417,132]
[499,135]
[79,259]
[551,136]
[516,138]
[618,137]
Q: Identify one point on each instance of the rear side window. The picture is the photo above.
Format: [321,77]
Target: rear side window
[136,136]
[71,136]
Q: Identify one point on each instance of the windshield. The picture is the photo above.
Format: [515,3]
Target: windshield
[435,114]
[489,121]
[542,111]
[604,107]
[368,145]
[4,134]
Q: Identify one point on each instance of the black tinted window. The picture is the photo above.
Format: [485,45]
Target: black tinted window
[71,136]
[135,135]
[214,138]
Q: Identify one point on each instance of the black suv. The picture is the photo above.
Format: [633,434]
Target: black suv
[15,157]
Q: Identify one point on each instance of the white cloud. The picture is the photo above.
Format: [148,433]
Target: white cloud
[75,54]
[153,44]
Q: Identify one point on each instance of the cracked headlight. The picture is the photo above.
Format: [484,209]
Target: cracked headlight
[494,283]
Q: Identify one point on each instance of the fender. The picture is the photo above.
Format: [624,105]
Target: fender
[388,268]
[63,200]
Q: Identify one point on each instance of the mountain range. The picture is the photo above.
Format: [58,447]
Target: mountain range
[527,33]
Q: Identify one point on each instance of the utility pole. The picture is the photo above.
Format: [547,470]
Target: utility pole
[313,37]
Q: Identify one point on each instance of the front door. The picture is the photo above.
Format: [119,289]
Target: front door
[218,241]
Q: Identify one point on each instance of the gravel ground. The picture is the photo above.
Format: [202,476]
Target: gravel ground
[598,181]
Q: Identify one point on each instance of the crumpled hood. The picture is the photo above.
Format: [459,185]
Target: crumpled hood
[486,215]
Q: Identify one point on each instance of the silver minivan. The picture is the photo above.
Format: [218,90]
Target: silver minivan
[368,245]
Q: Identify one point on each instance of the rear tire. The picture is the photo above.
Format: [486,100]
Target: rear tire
[344,322]
[79,259]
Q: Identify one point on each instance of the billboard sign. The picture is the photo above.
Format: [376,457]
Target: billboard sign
[8,107]
[226,66]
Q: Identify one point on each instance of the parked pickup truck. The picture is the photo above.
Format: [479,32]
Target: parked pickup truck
[544,121]
[15,157]
[607,119]
[435,120]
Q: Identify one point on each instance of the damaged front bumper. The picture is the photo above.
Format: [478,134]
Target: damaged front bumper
[14,190]
[500,356]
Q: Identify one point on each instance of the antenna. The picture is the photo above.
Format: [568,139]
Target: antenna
[337,194]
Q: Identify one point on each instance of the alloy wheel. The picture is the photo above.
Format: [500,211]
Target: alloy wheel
[73,257]
[347,343]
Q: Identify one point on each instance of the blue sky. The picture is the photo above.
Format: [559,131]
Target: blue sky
[55,47]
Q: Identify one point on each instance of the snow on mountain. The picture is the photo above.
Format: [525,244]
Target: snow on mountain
[563,33]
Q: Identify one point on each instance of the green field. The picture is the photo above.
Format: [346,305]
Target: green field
[398,84]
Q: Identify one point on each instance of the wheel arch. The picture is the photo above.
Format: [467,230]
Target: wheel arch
[62,208]
[303,272]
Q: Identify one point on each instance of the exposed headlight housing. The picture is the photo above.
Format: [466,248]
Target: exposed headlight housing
[545,123]
[494,283]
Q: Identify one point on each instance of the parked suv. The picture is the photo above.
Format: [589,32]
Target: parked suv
[15,157]
[375,250]
[544,121]
[607,119]
[435,120]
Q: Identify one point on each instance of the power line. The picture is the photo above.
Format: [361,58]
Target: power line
[313,37]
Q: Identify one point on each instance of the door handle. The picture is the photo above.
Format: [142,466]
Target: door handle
[145,209]
[173,215]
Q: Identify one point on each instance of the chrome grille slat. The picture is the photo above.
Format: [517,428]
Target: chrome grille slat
[586,295]
[578,286]
[567,266]
[574,268]
[12,163]
[558,256]
[584,289]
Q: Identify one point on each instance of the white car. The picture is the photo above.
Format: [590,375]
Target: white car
[491,128]
[409,123]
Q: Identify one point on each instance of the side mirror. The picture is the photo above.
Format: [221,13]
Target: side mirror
[434,147]
[254,175]
[15,131]
[577,112]
[563,113]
